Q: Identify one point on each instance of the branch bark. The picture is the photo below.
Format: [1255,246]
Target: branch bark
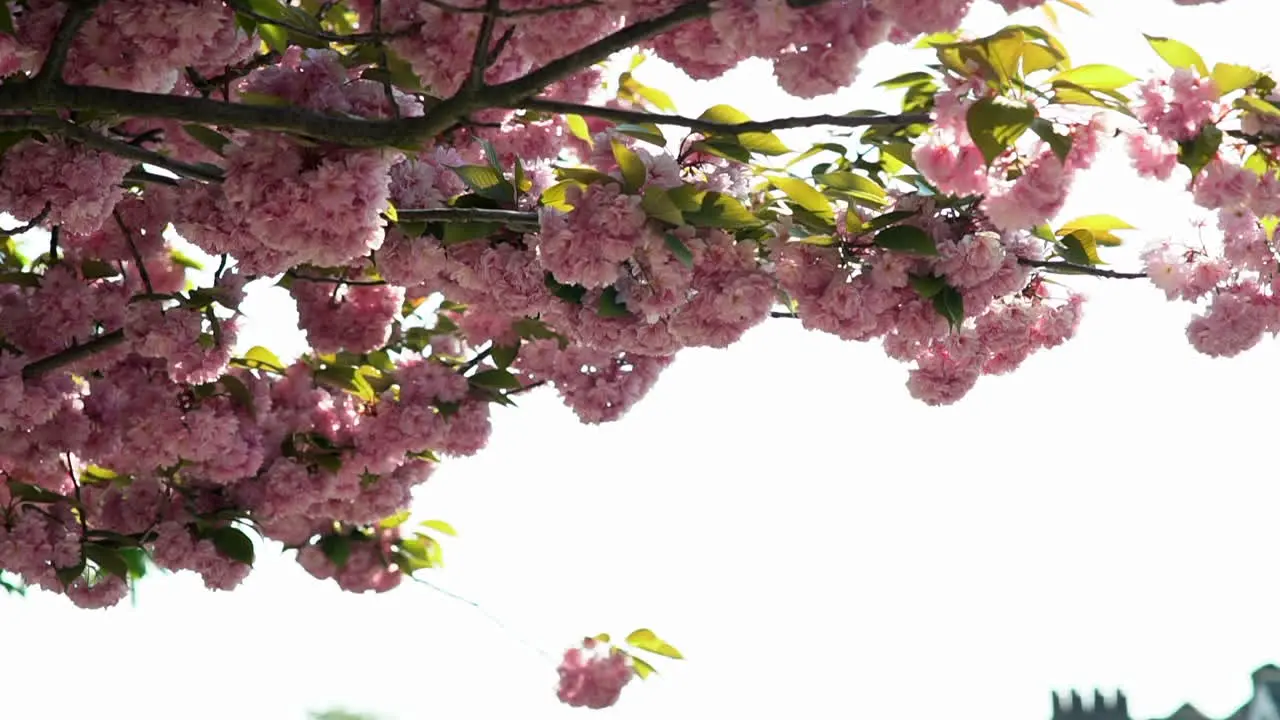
[75,353]
[707,126]
[520,220]
[1074,269]
[55,60]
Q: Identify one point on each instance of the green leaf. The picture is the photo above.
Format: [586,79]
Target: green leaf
[724,146]
[720,211]
[763,143]
[887,219]
[440,526]
[926,286]
[337,548]
[135,559]
[33,493]
[394,521]
[479,177]
[1080,248]
[857,185]
[262,358]
[276,37]
[995,123]
[1258,105]
[1096,77]
[95,269]
[496,379]
[578,127]
[68,575]
[570,293]
[602,637]
[645,639]
[1230,78]
[6,20]
[648,132]
[1197,153]
[656,97]
[1095,222]
[347,378]
[460,232]
[108,559]
[504,355]
[906,80]
[556,196]
[238,391]
[1179,55]
[679,249]
[724,114]
[642,667]
[233,544]
[208,137]
[804,195]
[181,258]
[657,203]
[585,176]
[949,303]
[907,239]
[1059,144]
[610,306]
[632,167]
[21,279]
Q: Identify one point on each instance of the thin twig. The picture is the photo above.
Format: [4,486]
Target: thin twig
[110,145]
[31,224]
[339,280]
[1074,269]
[50,74]
[43,366]
[707,126]
[133,250]
[784,314]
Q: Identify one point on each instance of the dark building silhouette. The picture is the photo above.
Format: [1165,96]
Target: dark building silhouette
[1074,707]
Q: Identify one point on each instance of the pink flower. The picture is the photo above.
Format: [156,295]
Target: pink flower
[593,675]
[1152,155]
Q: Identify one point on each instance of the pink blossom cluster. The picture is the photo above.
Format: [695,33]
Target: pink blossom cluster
[948,156]
[132,44]
[1002,311]
[593,675]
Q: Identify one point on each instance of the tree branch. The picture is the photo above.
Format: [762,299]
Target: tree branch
[480,55]
[533,83]
[450,7]
[1073,269]
[707,126]
[520,220]
[115,147]
[50,73]
[75,353]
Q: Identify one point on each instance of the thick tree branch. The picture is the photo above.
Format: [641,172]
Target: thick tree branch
[520,220]
[50,73]
[115,147]
[75,353]
[1074,269]
[707,126]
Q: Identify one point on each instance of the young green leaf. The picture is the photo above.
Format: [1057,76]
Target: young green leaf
[441,527]
[926,286]
[496,379]
[578,126]
[1178,54]
[336,548]
[1080,248]
[632,167]
[949,303]
[657,204]
[648,132]
[1230,78]
[907,239]
[995,123]
[610,305]
[642,667]
[107,558]
[230,542]
[645,639]
[1096,77]
[804,195]
[679,249]
[208,137]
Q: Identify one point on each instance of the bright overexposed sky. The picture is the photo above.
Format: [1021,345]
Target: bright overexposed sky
[817,543]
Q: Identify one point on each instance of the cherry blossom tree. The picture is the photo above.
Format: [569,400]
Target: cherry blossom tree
[465,208]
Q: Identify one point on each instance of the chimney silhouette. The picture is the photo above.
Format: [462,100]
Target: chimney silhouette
[1073,707]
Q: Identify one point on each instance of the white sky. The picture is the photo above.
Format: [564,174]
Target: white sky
[816,542]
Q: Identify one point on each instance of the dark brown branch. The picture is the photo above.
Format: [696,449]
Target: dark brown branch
[520,220]
[533,83]
[31,224]
[331,280]
[784,314]
[50,73]
[392,106]
[1074,269]
[75,353]
[707,126]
